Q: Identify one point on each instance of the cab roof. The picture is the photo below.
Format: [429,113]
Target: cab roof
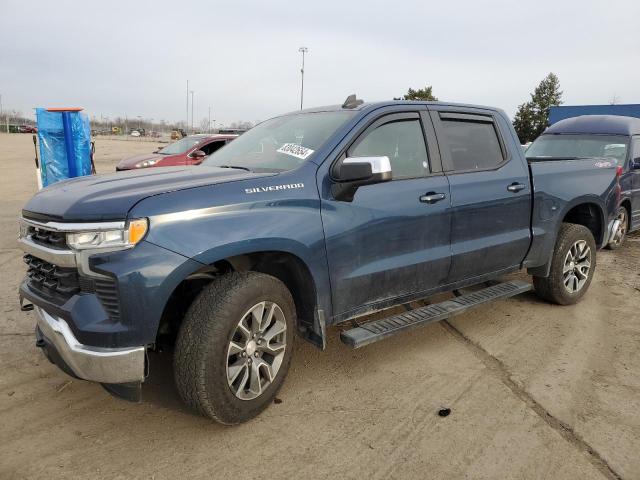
[374,105]
[597,124]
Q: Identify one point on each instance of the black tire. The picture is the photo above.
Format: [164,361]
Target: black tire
[623,215]
[552,288]
[201,352]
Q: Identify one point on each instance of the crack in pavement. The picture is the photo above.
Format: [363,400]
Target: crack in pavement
[499,369]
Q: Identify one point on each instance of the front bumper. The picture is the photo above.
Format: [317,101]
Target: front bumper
[97,364]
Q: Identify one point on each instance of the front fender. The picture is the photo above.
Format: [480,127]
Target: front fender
[209,224]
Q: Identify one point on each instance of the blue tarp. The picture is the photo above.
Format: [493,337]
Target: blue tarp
[65,145]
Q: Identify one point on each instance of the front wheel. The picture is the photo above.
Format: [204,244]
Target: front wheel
[234,346]
[618,236]
[572,266]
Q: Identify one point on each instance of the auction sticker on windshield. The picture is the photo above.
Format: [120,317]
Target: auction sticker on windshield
[295,150]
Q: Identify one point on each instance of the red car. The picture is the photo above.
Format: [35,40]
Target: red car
[190,150]
[27,129]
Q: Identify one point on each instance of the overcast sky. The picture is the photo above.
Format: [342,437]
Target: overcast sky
[241,58]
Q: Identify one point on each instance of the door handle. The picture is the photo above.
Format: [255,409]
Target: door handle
[516,187]
[432,197]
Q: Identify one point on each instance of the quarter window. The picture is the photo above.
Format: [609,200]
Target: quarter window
[402,141]
[471,145]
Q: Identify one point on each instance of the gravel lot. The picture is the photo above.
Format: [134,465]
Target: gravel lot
[535,390]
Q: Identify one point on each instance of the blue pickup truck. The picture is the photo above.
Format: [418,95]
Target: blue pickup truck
[309,219]
[604,137]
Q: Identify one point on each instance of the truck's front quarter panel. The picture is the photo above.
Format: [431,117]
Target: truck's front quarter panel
[277,213]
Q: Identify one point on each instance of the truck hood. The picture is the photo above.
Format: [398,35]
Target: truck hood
[111,196]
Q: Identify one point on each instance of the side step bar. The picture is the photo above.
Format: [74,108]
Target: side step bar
[380,329]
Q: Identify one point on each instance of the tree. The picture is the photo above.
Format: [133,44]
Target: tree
[524,121]
[204,125]
[532,117]
[423,94]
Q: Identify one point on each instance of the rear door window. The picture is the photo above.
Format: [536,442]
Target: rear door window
[212,146]
[470,144]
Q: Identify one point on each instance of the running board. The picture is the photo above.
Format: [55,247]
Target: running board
[380,329]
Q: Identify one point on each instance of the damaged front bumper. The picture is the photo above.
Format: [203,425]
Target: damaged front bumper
[120,370]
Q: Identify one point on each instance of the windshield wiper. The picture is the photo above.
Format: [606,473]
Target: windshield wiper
[234,166]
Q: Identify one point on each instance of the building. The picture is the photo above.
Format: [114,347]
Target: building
[568,111]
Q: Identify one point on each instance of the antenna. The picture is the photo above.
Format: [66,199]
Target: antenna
[352,101]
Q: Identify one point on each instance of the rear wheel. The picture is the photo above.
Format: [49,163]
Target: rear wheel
[234,347]
[572,266]
[618,236]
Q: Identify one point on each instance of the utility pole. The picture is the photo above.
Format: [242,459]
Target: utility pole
[191,111]
[302,50]
[186,121]
[209,124]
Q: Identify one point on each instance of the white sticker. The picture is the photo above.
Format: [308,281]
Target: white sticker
[295,150]
[602,164]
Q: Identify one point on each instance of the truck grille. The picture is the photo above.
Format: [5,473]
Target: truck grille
[48,238]
[51,279]
[62,283]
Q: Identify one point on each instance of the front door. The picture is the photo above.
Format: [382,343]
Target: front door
[490,193]
[390,242]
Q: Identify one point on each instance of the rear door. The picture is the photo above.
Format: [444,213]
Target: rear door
[490,192]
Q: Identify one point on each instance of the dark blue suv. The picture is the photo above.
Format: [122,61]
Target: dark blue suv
[606,137]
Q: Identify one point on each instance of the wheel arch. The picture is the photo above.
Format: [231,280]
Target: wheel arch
[287,266]
[588,211]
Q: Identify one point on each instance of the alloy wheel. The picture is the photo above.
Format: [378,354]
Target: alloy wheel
[577,264]
[256,350]
[621,231]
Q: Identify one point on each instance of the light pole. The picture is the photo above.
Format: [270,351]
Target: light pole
[191,111]
[302,50]
[209,124]
[186,121]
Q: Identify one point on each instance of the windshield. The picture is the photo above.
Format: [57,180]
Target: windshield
[279,144]
[579,146]
[180,146]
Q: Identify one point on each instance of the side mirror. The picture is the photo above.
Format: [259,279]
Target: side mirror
[198,154]
[635,164]
[356,172]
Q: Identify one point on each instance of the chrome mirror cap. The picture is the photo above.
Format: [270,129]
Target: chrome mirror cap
[378,164]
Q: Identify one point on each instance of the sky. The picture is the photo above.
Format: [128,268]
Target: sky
[241,57]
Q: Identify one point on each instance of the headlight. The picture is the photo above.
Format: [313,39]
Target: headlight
[120,238]
[146,163]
